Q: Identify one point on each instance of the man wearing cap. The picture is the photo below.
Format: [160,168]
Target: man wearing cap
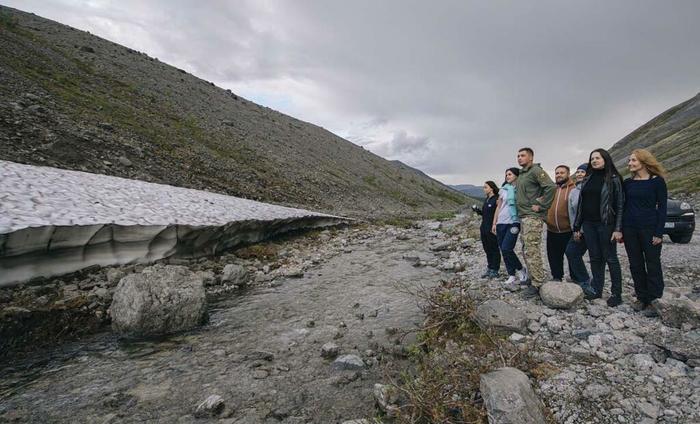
[559,228]
[576,249]
[534,195]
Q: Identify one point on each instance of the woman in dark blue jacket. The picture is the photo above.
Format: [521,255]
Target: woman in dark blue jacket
[643,226]
[488,239]
[599,217]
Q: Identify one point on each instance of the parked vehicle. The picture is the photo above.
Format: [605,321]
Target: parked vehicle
[680,221]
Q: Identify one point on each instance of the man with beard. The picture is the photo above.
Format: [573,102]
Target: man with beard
[559,230]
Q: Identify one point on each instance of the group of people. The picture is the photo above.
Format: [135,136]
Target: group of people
[590,212]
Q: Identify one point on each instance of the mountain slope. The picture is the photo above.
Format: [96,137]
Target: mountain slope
[470,190]
[72,100]
[674,138]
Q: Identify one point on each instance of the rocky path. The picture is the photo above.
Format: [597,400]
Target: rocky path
[261,351]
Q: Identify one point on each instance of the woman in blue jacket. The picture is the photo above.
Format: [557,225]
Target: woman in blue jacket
[643,226]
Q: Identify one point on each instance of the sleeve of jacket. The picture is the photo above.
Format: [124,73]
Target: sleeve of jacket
[548,189]
[619,202]
[662,202]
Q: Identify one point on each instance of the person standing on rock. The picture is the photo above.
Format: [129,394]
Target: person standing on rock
[488,239]
[534,193]
[506,226]
[559,230]
[643,225]
[575,249]
[599,217]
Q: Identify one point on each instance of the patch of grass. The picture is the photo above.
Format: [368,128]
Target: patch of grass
[398,221]
[371,180]
[450,357]
[266,251]
[442,216]
[7,21]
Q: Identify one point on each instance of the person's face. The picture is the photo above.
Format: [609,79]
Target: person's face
[634,164]
[524,158]
[597,161]
[487,190]
[580,174]
[510,177]
[561,174]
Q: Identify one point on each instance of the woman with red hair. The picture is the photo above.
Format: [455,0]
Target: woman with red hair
[643,225]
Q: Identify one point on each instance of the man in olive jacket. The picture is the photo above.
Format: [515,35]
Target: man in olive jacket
[533,197]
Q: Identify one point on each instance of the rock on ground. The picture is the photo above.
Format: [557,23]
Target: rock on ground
[509,397]
[501,317]
[235,274]
[348,362]
[679,306]
[561,295]
[210,407]
[157,301]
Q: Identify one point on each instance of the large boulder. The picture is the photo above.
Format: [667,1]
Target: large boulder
[679,306]
[501,317]
[159,300]
[560,295]
[509,398]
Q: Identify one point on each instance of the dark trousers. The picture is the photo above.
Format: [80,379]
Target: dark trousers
[493,255]
[556,247]
[601,251]
[574,255]
[507,235]
[645,263]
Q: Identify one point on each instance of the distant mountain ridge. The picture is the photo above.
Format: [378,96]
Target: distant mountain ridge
[674,138]
[470,190]
[72,100]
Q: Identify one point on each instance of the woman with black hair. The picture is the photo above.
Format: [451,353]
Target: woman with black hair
[506,226]
[599,217]
[488,239]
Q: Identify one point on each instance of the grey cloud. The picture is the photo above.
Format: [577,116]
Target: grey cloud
[453,87]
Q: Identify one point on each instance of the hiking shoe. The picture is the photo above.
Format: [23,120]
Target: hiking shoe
[511,280]
[614,301]
[493,274]
[530,292]
[639,306]
[487,273]
[591,295]
[650,311]
[523,276]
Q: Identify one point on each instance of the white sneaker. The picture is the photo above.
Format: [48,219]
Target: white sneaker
[523,275]
[511,280]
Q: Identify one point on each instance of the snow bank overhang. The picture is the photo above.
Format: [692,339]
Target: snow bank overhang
[54,221]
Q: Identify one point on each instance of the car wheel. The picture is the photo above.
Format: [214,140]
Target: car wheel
[681,238]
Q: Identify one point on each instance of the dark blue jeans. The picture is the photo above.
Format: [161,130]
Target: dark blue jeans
[574,255]
[601,250]
[507,235]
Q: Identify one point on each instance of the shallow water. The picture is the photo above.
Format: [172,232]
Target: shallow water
[101,378]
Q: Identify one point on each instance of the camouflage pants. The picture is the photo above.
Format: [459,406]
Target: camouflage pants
[532,248]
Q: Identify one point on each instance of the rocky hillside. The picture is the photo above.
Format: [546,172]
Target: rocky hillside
[72,100]
[673,137]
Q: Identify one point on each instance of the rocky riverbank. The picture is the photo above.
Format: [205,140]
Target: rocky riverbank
[322,327]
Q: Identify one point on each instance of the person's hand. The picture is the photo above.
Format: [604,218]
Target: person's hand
[536,208]
[616,236]
[657,241]
[577,236]
[493,228]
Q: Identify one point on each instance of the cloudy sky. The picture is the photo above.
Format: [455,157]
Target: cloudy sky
[451,87]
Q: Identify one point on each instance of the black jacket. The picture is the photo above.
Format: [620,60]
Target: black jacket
[612,201]
[487,212]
